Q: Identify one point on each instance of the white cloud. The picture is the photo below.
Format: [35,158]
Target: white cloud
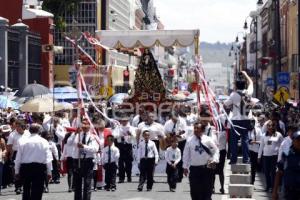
[218,20]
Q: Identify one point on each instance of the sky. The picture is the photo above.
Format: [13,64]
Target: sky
[217,20]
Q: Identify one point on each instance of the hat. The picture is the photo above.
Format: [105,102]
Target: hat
[296,135]
[5,128]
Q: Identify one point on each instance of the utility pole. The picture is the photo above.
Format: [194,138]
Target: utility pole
[277,67]
[299,49]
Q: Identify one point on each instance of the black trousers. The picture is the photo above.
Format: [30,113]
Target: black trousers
[146,172]
[70,170]
[292,193]
[125,160]
[181,146]
[83,175]
[201,182]
[172,174]
[55,170]
[270,163]
[254,165]
[18,182]
[110,175]
[220,168]
[33,176]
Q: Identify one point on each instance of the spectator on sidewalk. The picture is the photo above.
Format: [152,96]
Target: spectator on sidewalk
[2,157]
[269,147]
[255,136]
[288,168]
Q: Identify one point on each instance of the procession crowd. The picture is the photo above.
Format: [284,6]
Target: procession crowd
[38,148]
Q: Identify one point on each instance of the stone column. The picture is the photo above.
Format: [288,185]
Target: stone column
[23,57]
[3,52]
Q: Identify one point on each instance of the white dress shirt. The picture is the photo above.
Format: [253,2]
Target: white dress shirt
[255,135]
[68,149]
[180,125]
[284,147]
[53,150]
[33,149]
[65,122]
[211,132]
[269,145]
[136,121]
[235,101]
[152,151]
[122,132]
[89,149]
[173,155]
[155,129]
[115,154]
[14,137]
[194,155]
[60,132]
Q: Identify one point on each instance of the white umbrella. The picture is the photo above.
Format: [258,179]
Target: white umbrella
[66,105]
[41,105]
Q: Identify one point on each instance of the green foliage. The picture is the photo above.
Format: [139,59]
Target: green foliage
[58,8]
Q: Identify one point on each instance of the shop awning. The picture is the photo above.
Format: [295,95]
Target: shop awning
[148,38]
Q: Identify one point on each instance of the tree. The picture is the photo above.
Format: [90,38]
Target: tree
[58,8]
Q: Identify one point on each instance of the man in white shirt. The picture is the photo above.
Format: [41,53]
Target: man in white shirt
[110,156]
[84,152]
[156,130]
[13,145]
[239,100]
[32,162]
[125,137]
[199,158]
[176,126]
[147,157]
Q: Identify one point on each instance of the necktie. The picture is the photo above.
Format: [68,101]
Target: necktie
[109,154]
[146,150]
[174,128]
[84,138]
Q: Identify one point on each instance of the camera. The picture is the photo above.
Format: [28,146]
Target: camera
[240,81]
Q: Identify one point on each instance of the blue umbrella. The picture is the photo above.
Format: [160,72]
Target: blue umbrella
[6,103]
[118,98]
[68,97]
[67,89]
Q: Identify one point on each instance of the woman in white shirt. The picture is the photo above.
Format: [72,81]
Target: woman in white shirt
[255,136]
[269,147]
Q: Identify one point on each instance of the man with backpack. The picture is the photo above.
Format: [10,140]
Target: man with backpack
[239,100]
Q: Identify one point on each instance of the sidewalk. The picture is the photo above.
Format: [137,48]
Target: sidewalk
[259,192]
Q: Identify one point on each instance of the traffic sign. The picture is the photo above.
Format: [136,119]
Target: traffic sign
[270,82]
[283,78]
[282,95]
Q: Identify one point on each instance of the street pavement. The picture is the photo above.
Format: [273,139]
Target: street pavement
[125,191]
[128,191]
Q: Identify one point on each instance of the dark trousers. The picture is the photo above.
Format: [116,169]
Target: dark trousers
[146,172]
[33,176]
[83,175]
[220,168]
[269,163]
[125,161]
[234,138]
[18,182]
[172,176]
[292,193]
[55,170]
[254,165]
[201,182]
[110,175]
[8,175]
[70,172]
[1,172]
[181,146]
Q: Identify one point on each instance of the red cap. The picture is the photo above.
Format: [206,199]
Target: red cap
[71,129]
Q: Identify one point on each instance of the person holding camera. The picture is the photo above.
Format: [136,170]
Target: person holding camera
[200,157]
[239,100]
